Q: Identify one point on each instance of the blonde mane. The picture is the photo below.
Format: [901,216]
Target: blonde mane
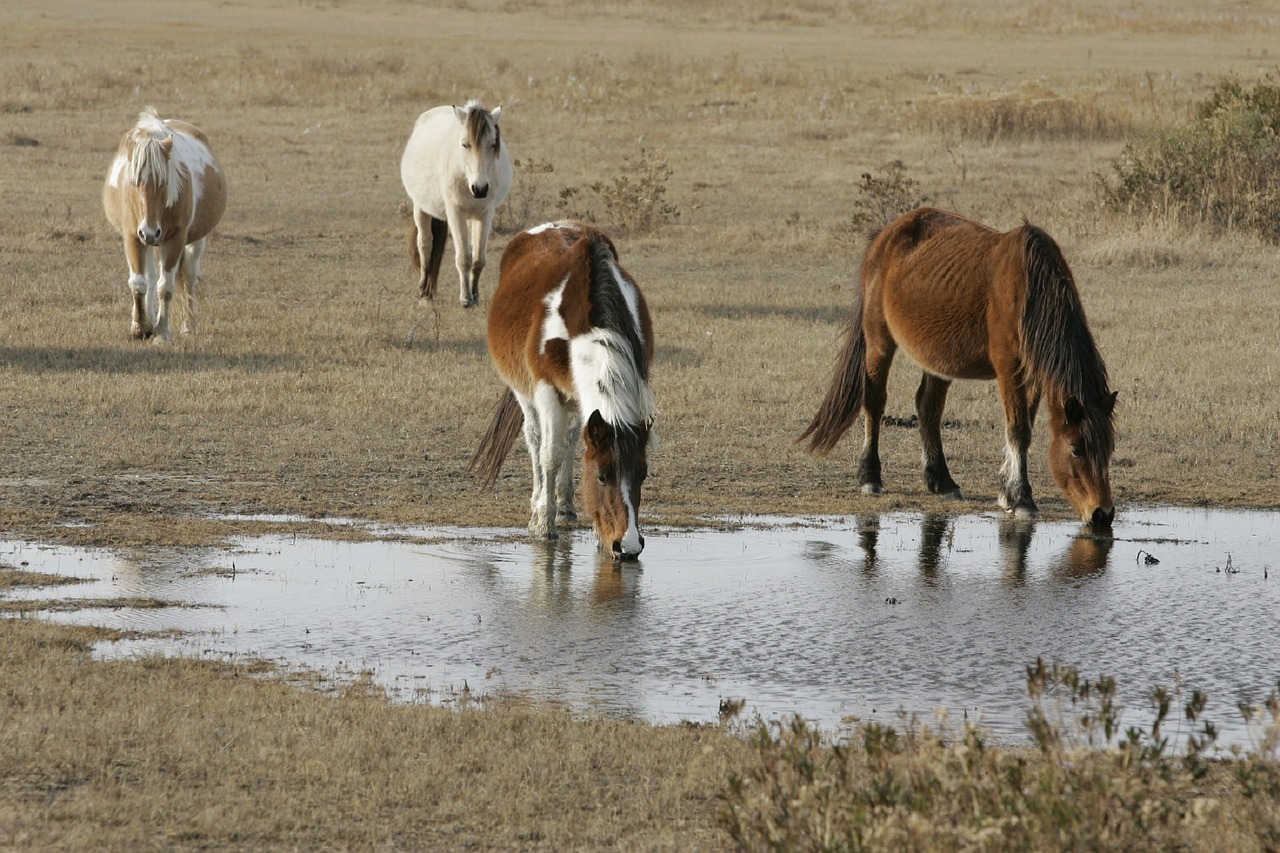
[149,164]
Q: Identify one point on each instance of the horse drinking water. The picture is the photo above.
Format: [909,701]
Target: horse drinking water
[968,302]
[456,170]
[570,334]
[164,193]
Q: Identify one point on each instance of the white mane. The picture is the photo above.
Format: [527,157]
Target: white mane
[606,377]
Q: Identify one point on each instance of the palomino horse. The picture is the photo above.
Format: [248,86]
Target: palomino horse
[968,302]
[456,171]
[571,335]
[164,193]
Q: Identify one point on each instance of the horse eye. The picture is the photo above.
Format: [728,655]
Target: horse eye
[466,145]
[1077,452]
[602,479]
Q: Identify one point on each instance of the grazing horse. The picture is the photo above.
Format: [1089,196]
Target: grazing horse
[164,193]
[571,335]
[968,302]
[456,171]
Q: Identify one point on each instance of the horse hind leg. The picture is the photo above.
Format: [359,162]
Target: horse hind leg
[552,420]
[879,358]
[931,397]
[188,278]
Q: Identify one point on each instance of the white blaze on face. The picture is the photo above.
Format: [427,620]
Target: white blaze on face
[631,541]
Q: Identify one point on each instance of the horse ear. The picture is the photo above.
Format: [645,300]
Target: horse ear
[1073,410]
[460,112]
[599,433]
[1109,403]
[496,112]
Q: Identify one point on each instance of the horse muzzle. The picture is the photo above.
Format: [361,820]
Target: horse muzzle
[1102,517]
[480,190]
[149,236]
[627,551]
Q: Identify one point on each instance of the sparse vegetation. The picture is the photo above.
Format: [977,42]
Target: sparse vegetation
[882,199]
[1083,784]
[634,201]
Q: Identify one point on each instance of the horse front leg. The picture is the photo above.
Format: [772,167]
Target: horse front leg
[931,398]
[170,261]
[463,257]
[141,274]
[565,512]
[480,229]
[429,236]
[1015,485]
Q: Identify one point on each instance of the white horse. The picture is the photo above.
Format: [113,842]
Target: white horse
[164,193]
[456,171]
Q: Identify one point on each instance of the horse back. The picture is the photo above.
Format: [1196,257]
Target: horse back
[930,285]
[544,299]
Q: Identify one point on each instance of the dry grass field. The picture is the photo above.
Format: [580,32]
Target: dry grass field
[723,145]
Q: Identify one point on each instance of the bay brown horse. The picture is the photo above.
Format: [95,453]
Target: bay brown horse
[571,335]
[164,193]
[968,302]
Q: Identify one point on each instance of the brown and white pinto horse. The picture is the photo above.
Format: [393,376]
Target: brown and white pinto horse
[968,302]
[570,333]
[164,193]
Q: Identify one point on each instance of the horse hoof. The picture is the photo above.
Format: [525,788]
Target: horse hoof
[872,489]
[953,495]
[567,517]
[1022,512]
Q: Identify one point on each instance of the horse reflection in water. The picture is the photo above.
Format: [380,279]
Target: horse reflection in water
[1085,557]
[613,588]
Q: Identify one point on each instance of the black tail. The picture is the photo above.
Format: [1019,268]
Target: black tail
[843,403]
[496,443]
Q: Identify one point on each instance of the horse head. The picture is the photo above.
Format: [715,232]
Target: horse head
[615,465]
[481,144]
[1080,447]
[151,173]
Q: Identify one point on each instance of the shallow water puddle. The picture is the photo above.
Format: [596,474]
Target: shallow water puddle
[832,618]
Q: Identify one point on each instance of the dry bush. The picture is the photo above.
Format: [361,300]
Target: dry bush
[1032,112]
[1084,785]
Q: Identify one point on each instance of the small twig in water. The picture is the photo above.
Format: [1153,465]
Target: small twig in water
[1147,557]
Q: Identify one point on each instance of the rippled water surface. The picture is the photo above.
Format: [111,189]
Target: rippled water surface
[832,618]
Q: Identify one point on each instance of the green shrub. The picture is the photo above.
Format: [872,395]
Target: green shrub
[1221,170]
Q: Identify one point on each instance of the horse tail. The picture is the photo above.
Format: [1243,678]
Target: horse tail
[496,443]
[843,402]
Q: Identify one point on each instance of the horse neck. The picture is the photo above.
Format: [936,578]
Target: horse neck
[1058,348]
